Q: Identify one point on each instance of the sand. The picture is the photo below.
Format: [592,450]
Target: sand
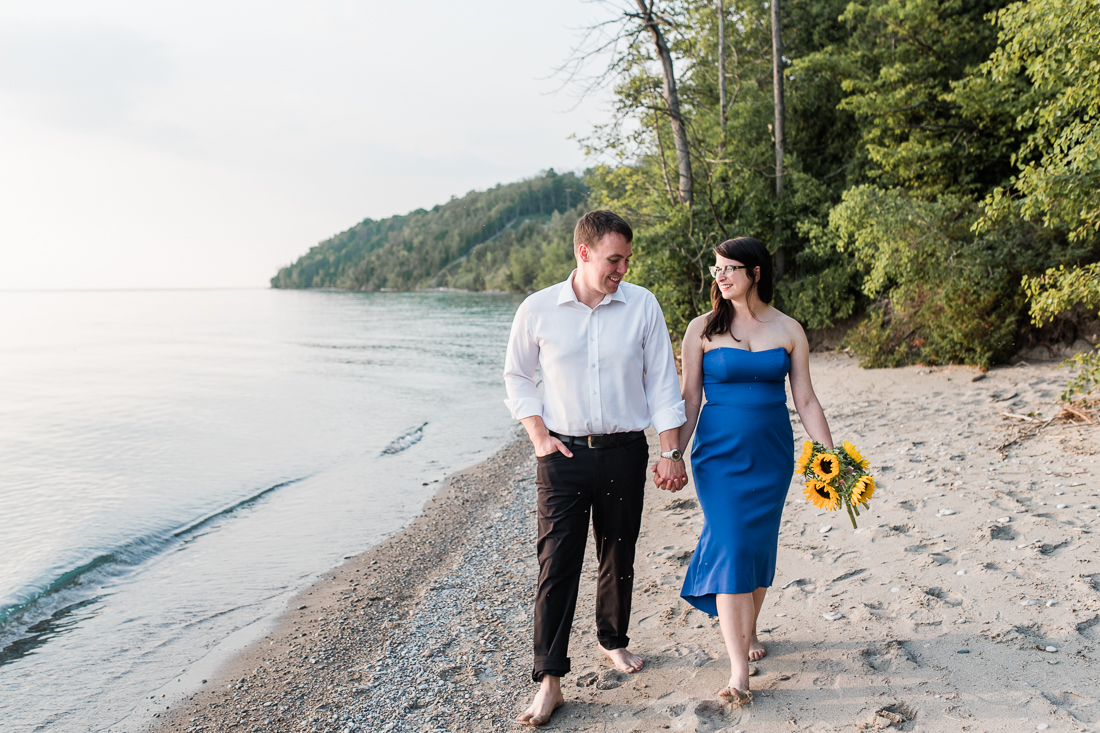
[968,599]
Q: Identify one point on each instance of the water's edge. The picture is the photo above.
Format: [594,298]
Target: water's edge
[245,648]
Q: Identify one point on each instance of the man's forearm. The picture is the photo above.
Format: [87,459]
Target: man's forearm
[670,440]
[536,429]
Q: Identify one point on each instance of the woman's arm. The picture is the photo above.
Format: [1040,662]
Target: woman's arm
[805,401]
[691,354]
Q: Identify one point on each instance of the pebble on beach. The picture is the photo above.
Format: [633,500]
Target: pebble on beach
[442,643]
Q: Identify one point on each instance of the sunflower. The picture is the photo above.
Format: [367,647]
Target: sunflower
[863,490]
[826,466]
[856,456]
[821,494]
[804,459]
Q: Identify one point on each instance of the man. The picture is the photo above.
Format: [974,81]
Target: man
[608,372]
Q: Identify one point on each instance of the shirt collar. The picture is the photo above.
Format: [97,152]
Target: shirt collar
[566,294]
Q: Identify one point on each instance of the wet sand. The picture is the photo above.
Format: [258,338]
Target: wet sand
[969,599]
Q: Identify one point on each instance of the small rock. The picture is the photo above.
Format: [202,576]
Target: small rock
[1063,506]
[825,528]
[780,615]
[1004,519]
[832,616]
[1051,603]
[1052,649]
[1042,726]
[946,512]
[960,572]
[895,590]
[963,651]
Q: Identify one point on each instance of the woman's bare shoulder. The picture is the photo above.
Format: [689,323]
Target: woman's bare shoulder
[694,332]
[698,323]
[792,328]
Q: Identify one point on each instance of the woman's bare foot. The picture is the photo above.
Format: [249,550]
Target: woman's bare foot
[736,698]
[547,700]
[624,661]
[756,650]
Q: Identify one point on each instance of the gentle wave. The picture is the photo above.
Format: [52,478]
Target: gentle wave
[405,441]
[33,621]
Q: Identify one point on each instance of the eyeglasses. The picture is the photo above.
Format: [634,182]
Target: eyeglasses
[727,270]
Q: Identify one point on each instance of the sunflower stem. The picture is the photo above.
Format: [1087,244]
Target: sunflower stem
[850,515]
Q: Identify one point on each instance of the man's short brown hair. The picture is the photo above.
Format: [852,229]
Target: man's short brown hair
[594,225]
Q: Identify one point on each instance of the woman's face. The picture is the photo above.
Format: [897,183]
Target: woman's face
[735,284]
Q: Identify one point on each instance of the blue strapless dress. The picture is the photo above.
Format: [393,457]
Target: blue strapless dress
[743,459]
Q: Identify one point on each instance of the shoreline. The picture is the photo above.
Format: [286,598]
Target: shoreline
[961,549]
[337,635]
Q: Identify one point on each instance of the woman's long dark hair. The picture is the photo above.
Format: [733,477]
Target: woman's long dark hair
[752,254]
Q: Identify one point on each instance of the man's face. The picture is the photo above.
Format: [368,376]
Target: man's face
[602,267]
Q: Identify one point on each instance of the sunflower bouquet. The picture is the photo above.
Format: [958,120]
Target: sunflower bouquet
[835,476]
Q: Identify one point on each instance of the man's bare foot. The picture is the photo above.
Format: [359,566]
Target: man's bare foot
[756,650]
[736,698]
[624,661]
[547,700]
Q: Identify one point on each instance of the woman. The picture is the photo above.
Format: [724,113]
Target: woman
[743,455]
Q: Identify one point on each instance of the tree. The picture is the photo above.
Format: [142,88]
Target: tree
[777,86]
[1055,44]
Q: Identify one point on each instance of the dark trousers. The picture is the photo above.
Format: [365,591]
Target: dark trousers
[609,484]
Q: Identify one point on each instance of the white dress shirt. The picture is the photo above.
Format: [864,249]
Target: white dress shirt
[608,369]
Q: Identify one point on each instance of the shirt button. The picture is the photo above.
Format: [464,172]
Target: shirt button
[593,366]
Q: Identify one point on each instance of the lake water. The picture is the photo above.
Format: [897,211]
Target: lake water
[175,465]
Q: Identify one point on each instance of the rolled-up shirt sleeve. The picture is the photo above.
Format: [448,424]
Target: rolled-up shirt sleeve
[662,386]
[520,362]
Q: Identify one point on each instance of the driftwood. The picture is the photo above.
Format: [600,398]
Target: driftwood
[1073,414]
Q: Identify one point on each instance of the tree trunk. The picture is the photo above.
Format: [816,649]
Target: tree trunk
[722,67]
[777,81]
[672,99]
[661,148]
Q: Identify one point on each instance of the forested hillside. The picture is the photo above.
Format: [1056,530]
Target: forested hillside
[926,169]
[469,242]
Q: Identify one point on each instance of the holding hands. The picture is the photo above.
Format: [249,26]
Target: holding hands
[670,475]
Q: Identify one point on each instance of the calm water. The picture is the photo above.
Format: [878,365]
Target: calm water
[174,465]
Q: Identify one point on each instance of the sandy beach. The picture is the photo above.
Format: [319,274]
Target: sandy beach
[967,600]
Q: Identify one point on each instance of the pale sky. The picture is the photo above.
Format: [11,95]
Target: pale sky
[163,143]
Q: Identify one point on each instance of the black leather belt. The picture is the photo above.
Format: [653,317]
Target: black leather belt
[611,440]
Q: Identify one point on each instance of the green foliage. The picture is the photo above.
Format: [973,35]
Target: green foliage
[944,294]
[529,257]
[1055,44]
[1059,289]
[1056,291]
[903,66]
[414,250]
[734,166]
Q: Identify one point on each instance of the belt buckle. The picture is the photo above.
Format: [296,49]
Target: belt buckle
[590,442]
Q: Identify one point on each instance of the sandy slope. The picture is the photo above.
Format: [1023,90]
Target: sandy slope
[961,550]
